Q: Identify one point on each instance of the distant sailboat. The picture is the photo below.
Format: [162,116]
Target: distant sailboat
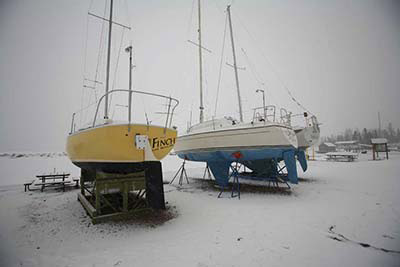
[120,147]
[259,145]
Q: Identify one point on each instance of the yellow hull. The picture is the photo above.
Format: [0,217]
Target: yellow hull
[116,144]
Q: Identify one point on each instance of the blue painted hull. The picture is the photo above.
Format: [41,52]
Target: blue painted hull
[262,161]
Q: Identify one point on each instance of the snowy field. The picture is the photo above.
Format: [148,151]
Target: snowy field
[340,214]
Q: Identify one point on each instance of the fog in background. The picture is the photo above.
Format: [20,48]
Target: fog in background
[339,59]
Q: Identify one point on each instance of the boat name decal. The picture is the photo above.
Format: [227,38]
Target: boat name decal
[161,143]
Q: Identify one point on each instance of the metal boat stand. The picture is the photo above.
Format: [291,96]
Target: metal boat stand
[208,172]
[281,177]
[275,177]
[235,185]
[182,172]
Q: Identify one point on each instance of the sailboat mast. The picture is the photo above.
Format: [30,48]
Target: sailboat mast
[129,50]
[200,66]
[108,60]
[234,64]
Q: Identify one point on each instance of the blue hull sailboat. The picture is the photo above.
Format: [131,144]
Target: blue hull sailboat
[260,145]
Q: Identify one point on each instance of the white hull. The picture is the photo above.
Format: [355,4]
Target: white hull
[241,136]
[307,136]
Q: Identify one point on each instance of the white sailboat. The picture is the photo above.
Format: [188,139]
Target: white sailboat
[259,144]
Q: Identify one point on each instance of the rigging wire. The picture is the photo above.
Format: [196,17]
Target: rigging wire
[129,21]
[118,58]
[272,67]
[252,67]
[99,56]
[116,66]
[190,19]
[127,13]
[257,76]
[206,88]
[220,65]
[186,68]
[84,63]
[88,106]
[144,108]
[84,115]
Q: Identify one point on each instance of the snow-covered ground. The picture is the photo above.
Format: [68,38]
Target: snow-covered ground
[335,207]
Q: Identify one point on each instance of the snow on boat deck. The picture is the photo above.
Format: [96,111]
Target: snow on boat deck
[360,200]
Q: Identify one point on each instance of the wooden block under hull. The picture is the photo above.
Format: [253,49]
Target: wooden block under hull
[118,195]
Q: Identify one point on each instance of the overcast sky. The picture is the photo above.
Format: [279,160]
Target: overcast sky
[340,59]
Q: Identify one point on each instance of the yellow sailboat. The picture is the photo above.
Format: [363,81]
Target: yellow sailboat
[120,147]
[116,147]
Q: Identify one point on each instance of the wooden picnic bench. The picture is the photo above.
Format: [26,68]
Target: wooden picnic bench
[26,185]
[336,156]
[52,180]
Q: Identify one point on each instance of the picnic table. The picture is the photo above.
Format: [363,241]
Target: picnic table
[52,180]
[337,156]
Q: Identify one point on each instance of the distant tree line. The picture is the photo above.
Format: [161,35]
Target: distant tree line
[364,136]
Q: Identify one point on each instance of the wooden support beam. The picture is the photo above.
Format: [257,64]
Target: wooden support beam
[387,151]
[86,204]
[125,197]
[97,196]
[373,152]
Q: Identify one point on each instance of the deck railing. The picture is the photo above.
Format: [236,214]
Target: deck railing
[268,114]
[172,104]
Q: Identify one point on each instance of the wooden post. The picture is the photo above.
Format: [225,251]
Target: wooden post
[373,151]
[125,197]
[387,152]
[82,182]
[43,181]
[97,200]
